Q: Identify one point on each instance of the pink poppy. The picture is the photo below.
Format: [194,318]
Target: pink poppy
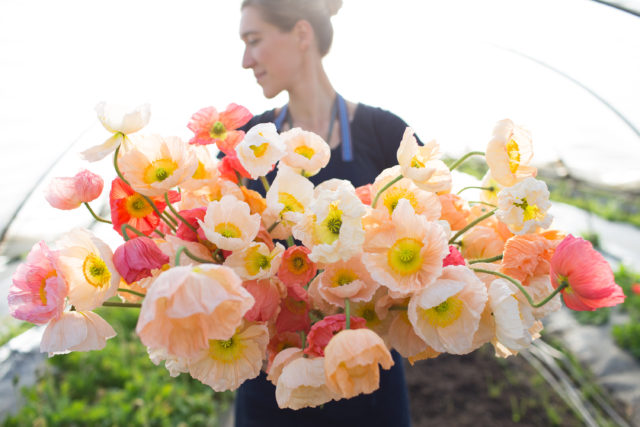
[135,259]
[635,288]
[454,257]
[322,332]
[267,293]
[38,290]
[70,193]
[294,311]
[588,274]
[230,166]
[212,127]
[280,342]
[191,216]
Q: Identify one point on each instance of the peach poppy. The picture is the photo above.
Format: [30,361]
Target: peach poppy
[267,294]
[206,171]
[288,198]
[364,193]
[212,127]
[447,313]
[527,256]
[317,302]
[306,152]
[454,210]
[493,188]
[523,207]
[38,291]
[346,279]
[175,365]
[296,267]
[189,305]
[76,331]
[156,164]
[406,255]
[322,331]
[136,287]
[213,190]
[229,224]
[280,360]
[481,242]
[256,202]
[70,193]
[260,149]
[302,384]
[86,263]
[422,164]
[255,261]
[404,339]
[588,275]
[120,121]
[540,287]
[170,245]
[513,317]
[509,153]
[332,225]
[351,362]
[226,363]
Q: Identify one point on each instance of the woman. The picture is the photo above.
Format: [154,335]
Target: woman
[285,41]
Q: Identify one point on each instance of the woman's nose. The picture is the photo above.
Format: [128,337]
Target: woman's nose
[247,59]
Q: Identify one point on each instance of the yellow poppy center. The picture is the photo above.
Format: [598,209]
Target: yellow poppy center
[445,313]
[254,261]
[416,162]
[201,171]
[304,151]
[291,204]
[228,229]
[404,257]
[259,150]
[226,351]
[43,285]
[368,313]
[95,271]
[529,211]
[513,151]
[394,194]
[343,277]
[137,206]
[328,230]
[218,131]
[297,265]
[159,170]
[295,306]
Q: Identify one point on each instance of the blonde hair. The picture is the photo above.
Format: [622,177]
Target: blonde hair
[284,14]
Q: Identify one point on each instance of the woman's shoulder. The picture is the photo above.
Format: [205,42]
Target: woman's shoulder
[379,119]
[265,117]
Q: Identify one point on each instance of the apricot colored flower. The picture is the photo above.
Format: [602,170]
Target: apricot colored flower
[322,331]
[406,255]
[509,152]
[404,339]
[257,203]
[481,242]
[135,258]
[129,207]
[156,164]
[447,313]
[38,291]
[211,127]
[227,363]
[120,121]
[260,149]
[267,294]
[454,210]
[332,225]
[527,256]
[523,207]
[588,274]
[205,173]
[188,306]
[306,152]
[378,320]
[540,287]
[231,169]
[317,302]
[255,261]
[423,202]
[513,316]
[302,384]
[364,193]
[76,331]
[287,200]
[346,279]
[490,195]
[86,263]
[282,359]
[70,193]
[351,362]
[229,224]
[171,244]
[422,164]
[175,365]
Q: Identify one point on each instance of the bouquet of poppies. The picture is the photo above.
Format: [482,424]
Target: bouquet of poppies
[314,284]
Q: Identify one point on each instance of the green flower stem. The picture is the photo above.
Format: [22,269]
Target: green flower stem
[115,164]
[157,211]
[159,233]
[480,202]
[389,184]
[239,178]
[524,292]
[290,241]
[465,157]
[398,308]
[97,218]
[121,304]
[126,227]
[170,218]
[131,292]
[479,188]
[265,183]
[184,249]
[471,224]
[272,226]
[347,313]
[303,336]
[217,255]
[492,259]
[180,217]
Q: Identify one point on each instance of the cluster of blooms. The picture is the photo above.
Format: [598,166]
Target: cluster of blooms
[402,263]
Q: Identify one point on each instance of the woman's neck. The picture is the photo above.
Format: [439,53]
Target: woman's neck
[311,100]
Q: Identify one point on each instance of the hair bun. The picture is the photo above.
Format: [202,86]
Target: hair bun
[333,6]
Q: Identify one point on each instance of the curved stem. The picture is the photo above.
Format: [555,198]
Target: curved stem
[389,184]
[347,313]
[290,241]
[480,202]
[170,218]
[159,233]
[186,251]
[180,217]
[157,211]
[492,259]
[465,157]
[479,188]
[115,163]
[471,224]
[272,226]
[126,227]
[265,183]
[97,218]
[131,292]
[121,304]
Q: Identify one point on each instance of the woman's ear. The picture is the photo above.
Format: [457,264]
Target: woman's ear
[304,34]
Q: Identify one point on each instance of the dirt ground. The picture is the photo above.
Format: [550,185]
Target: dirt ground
[479,389]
